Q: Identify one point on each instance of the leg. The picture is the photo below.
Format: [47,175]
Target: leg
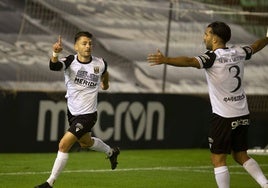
[240,157]
[251,166]
[239,153]
[94,143]
[220,146]
[221,172]
[86,141]
[65,145]
[97,144]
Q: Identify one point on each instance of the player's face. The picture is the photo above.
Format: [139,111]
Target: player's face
[208,38]
[83,47]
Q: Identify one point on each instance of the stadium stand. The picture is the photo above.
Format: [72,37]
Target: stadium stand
[126,31]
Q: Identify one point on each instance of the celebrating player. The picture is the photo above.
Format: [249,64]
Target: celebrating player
[84,74]
[224,69]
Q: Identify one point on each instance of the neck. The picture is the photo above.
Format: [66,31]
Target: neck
[84,59]
[220,46]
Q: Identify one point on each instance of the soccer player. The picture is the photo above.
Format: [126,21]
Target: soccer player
[84,74]
[224,69]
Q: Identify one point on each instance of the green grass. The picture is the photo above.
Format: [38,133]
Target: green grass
[137,168]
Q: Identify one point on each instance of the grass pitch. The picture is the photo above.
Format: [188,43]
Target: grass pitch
[187,168]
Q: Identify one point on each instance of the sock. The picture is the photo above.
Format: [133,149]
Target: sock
[255,171]
[58,166]
[100,146]
[222,177]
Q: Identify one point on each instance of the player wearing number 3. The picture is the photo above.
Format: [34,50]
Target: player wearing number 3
[224,69]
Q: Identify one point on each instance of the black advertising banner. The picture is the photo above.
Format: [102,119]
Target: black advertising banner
[153,120]
[36,121]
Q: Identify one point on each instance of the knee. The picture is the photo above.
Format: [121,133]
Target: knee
[218,160]
[64,146]
[218,163]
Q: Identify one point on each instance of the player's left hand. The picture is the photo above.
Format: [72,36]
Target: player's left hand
[104,86]
[105,81]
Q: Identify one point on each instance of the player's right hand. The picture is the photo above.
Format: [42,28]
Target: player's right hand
[57,47]
[156,58]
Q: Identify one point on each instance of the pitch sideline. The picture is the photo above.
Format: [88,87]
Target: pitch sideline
[197,169]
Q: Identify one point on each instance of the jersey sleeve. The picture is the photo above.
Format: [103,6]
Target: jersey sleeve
[207,59]
[248,50]
[105,67]
[68,60]
[57,66]
[63,62]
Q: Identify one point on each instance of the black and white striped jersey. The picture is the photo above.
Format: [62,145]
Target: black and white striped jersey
[224,69]
[82,82]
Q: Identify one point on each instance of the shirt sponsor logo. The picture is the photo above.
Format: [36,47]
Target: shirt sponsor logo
[234,98]
[83,79]
[85,83]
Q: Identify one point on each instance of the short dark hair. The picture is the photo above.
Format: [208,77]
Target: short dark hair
[222,30]
[82,34]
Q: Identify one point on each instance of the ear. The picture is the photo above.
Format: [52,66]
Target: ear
[75,47]
[214,39]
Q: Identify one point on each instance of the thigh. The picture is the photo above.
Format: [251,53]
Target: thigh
[220,135]
[240,157]
[86,141]
[240,134]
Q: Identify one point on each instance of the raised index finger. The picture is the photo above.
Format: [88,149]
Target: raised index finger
[59,40]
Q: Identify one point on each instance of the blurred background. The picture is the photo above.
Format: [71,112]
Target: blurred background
[145,107]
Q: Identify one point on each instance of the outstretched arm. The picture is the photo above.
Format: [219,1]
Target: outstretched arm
[181,61]
[260,44]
